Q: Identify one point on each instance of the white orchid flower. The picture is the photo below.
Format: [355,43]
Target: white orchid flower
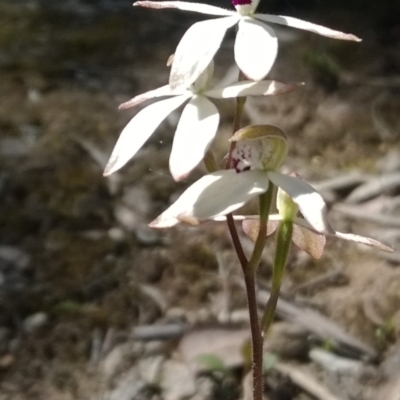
[197,126]
[259,151]
[305,235]
[256,44]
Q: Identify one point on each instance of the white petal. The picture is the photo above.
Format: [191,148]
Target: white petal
[159,92]
[138,130]
[256,48]
[364,240]
[194,134]
[185,6]
[214,195]
[307,26]
[310,202]
[251,88]
[196,50]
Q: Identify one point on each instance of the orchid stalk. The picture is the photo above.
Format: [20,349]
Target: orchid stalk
[255,155]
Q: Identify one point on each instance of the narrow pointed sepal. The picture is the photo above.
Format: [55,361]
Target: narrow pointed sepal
[196,50]
[212,196]
[185,6]
[307,26]
[159,92]
[351,237]
[138,130]
[251,88]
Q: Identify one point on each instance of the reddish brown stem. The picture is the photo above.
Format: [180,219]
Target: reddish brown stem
[249,276]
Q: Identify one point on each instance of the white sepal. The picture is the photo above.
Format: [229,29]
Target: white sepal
[138,130]
[307,26]
[196,50]
[364,240]
[185,6]
[251,88]
[212,196]
[196,130]
[159,92]
[310,202]
[256,48]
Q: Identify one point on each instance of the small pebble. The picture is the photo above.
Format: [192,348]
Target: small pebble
[146,235]
[35,322]
[116,234]
[150,369]
[178,381]
[15,256]
[114,360]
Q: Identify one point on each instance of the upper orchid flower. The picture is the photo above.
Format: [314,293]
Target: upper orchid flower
[256,44]
[197,126]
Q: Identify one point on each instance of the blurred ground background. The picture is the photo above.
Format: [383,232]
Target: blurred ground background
[81,275]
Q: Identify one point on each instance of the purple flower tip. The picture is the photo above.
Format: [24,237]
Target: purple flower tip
[241,2]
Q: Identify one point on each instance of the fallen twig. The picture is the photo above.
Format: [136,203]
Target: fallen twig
[322,326]
[305,381]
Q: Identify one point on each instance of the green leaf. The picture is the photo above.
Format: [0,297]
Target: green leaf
[212,362]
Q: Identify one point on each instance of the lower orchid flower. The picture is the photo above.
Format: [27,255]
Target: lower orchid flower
[259,152]
[197,126]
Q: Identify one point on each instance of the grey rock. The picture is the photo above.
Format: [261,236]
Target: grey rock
[129,387]
[114,360]
[35,322]
[14,256]
[178,381]
[150,369]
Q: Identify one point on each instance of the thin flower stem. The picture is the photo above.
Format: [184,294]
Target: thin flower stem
[237,123]
[248,273]
[240,102]
[284,240]
[236,241]
[256,335]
